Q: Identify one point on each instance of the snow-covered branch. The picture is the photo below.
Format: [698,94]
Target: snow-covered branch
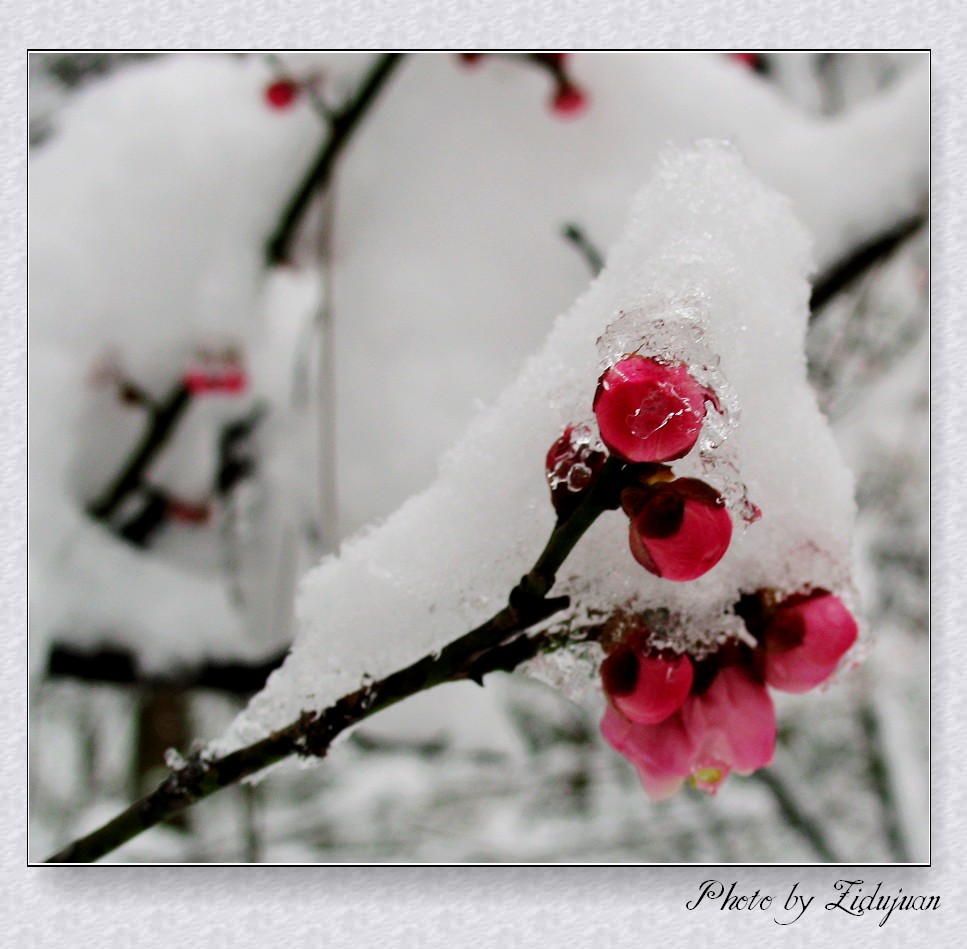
[495,645]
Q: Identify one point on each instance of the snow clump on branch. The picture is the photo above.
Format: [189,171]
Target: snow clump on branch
[710,275]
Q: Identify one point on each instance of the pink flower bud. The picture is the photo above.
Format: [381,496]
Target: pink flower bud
[187,513]
[569,101]
[203,379]
[196,380]
[572,464]
[751,60]
[679,529]
[281,93]
[233,381]
[646,689]
[805,640]
[649,411]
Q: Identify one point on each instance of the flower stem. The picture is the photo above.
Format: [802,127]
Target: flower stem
[164,420]
[343,124]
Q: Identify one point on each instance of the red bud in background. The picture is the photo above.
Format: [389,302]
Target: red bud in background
[282,93]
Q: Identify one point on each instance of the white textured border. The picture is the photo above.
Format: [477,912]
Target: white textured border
[481,907]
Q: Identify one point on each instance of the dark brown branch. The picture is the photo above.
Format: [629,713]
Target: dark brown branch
[120,667]
[882,783]
[847,271]
[343,123]
[796,818]
[497,644]
[837,278]
[592,256]
[163,422]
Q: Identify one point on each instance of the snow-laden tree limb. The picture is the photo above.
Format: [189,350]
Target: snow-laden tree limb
[497,644]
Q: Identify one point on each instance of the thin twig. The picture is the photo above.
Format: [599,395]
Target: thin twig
[319,105]
[163,422]
[880,777]
[592,256]
[797,819]
[846,271]
[495,645]
[343,124]
[838,277]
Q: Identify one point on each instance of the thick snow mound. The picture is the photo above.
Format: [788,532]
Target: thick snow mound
[711,268]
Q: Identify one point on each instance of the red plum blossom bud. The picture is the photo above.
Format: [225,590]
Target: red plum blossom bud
[187,513]
[569,101]
[805,640]
[679,529]
[751,60]
[646,688]
[649,411]
[205,376]
[572,464]
[281,93]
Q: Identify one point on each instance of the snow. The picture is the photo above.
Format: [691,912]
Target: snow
[434,270]
[447,271]
[707,248]
[116,277]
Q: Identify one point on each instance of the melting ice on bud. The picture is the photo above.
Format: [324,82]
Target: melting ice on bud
[646,688]
[679,529]
[805,639]
[648,411]
[572,464]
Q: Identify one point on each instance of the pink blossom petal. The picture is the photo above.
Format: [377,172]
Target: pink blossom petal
[658,788]
[805,640]
[733,722]
[663,750]
[648,411]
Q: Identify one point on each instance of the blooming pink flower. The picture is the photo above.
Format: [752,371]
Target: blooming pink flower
[679,529]
[646,688]
[731,726]
[571,466]
[805,639]
[649,411]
